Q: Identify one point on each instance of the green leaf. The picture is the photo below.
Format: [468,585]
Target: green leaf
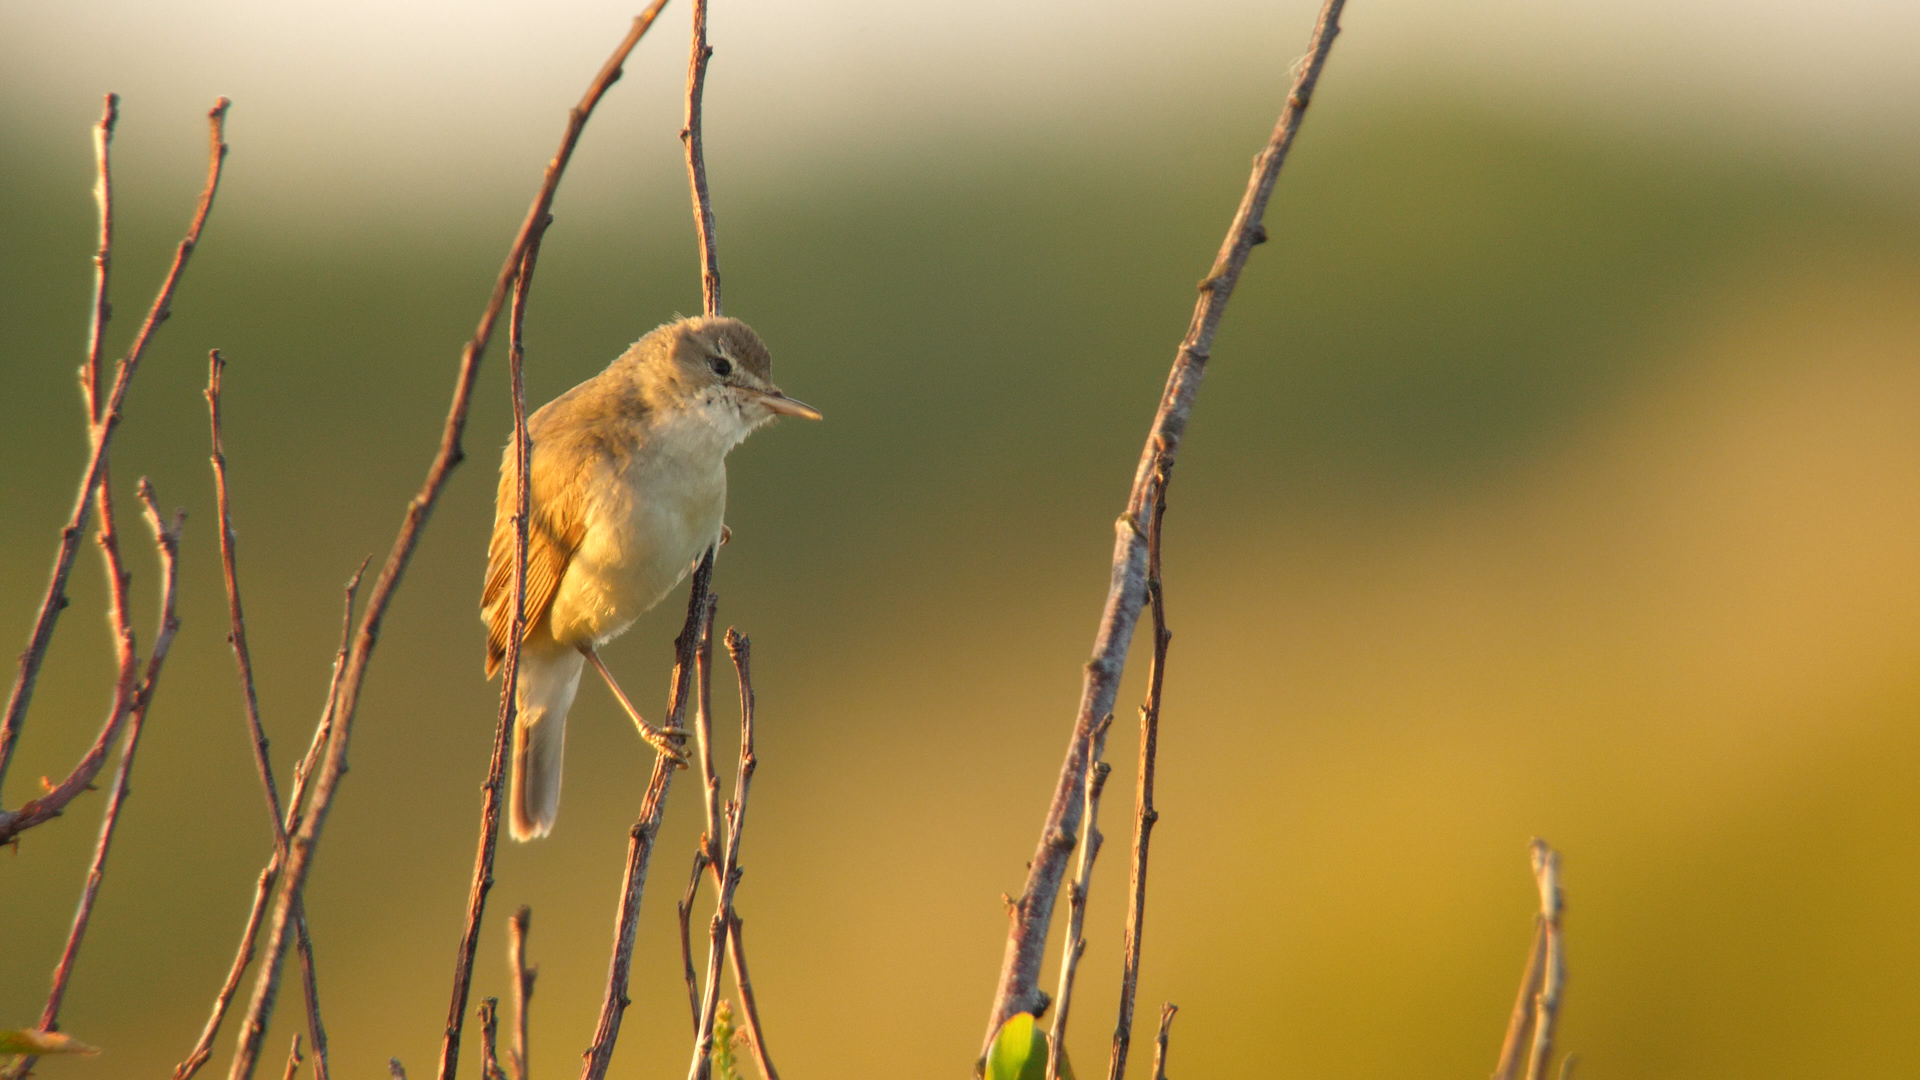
[34,1041]
[1019,1052]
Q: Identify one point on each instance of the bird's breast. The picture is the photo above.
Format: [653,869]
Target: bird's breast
[648,519]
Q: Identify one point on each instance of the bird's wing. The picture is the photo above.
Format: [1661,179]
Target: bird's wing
[554,532]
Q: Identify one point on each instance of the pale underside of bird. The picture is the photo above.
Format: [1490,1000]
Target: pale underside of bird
[628,489]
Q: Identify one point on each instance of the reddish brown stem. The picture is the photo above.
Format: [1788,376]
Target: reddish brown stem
[167,540]
[690,137]
[106,421]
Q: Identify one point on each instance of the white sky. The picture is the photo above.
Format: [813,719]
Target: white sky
[443,92]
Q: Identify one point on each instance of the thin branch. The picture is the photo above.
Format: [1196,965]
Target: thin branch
[303,843]
[646,828]
[270,874]
[690,137]
[1160,1042]
[293,1058]
[237,635]
[243,657]
[167,540]
[101,430]
[489,1032]
[700,864]
[720,850]
[103,256]
[510,681]
[1513,1048]
[741,651]
[523,977]
[1076,944]
[727,882]
[1145,815]
[1546,1007]
[1019,989]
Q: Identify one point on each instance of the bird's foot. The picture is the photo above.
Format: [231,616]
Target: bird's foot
[666,743]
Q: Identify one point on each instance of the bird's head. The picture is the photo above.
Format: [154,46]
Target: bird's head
[717,366]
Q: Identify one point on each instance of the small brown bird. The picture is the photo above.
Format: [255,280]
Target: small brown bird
[629,487]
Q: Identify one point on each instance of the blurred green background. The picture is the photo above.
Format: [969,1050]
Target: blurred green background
[1558,473]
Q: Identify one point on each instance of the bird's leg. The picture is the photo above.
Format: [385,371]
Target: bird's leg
[662,741]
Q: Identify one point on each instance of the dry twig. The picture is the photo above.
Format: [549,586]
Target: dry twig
[1077,899]
[726,921]
[510,677]
[523,977]
[646,828]
[700,864]
[1145,816]
[293,1058]
[1528,1046]
[333,765]
[690,138]
[489,1033]
[270,874]
[104,419]
[1546,1008]
[278,816]
[167,540]
[1160,1043]
[1019,989]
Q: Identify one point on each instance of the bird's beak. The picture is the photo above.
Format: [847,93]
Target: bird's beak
[781,403]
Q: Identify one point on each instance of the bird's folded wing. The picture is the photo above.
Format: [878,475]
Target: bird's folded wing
[551,541]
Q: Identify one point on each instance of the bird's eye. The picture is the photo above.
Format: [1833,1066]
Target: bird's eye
[721,366]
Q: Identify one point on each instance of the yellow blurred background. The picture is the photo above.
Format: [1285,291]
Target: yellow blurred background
[1558,473]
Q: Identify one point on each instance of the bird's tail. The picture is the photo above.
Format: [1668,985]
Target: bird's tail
[549,675]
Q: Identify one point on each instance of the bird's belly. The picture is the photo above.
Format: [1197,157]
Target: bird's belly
[641,539]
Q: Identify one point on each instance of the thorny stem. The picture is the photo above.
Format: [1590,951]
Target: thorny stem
[1076,944]
[690,137]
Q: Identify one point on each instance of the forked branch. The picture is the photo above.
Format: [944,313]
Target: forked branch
[1019,989]
[104,419]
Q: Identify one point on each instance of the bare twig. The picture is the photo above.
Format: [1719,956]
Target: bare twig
[1076,944]
[303,843]
[700,864]
[690,137]
[1546,1007]
[1160,1042]
[1528,1046]
[523,977]
[293,1058]
[237,637]
[1019,989]
[646,828]
[104,419]
[1513,1048]
[103,255]
[510,679]
[167,540]
[489,1030]
[1145,815]
[725,920]
[270,874]
[740,649]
